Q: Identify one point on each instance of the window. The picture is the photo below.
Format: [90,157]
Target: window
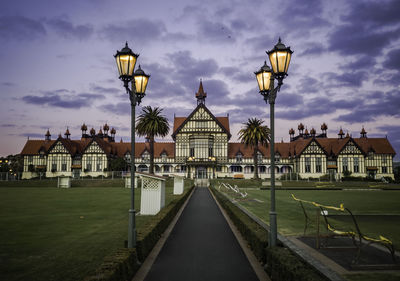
[384,170]
[54,164]
[260,157]
[218,169]
[384,159]
[356,165]
[318,165]
[183,168]
[167,168]
[98,164]
[308,165]
[30,159]
[164,157]
[89,164]
[236,169]
[262,169]
[145,156]
[64,164]
[345,164]
[239,157]
[201,124]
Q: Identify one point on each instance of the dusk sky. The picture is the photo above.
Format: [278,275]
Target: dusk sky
[57,67]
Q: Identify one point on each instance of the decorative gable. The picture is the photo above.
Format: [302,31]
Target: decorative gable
[201,120]
[58,148]
[350,148]
[313,148]
[94,148]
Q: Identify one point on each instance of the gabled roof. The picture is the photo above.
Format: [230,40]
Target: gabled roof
[140,147]
[179,122]
[379,145]
[32,147]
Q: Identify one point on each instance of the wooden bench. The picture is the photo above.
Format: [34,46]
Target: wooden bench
[359,239]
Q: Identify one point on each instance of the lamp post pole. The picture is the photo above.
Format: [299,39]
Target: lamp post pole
[280,59]
[126,61]
[132,212]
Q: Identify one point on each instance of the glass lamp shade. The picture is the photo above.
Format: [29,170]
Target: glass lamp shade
[141,80]
[264,77]
[279,58]
[126,60]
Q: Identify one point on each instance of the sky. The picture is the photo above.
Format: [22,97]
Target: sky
[57,66]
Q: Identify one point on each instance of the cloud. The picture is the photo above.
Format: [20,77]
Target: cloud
[387,105]
[393,60]
[351,39]
[8,84]
[8,125]
[32,135]
[317,106]
[20,28]
[215,32]
[143,30]
[303,15]
[106,90]
[369,27]
[347,79]
[59,99]
[309,85]
[122,108]
[311,49]
[66,29]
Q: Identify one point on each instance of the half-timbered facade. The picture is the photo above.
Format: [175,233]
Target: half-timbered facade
[201,149]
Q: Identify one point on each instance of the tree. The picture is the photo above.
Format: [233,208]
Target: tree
[118,164]
[253,135]
[151,124]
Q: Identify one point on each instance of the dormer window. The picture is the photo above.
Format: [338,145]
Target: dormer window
[371,155]
[127,157]
[145,155]
[164,156]
[259,157]
[239,157]
[277,157]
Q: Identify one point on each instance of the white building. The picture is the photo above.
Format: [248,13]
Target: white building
[201,149]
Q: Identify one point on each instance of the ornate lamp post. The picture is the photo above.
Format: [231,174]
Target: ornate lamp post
[279,58]
[126,61]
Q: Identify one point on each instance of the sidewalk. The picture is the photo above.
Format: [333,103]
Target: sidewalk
[201,247]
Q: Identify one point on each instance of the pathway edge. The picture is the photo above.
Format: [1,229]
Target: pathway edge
[148,262]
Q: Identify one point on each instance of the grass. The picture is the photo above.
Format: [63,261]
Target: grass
[369,206]
[62,234]
[252,183]
[291,217]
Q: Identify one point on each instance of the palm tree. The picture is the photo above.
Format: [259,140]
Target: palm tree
[254,134]
[150,124]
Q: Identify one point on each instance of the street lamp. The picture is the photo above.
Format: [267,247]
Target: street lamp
[279,58]
[126,60]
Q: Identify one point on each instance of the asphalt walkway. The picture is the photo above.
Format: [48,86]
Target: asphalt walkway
[201,247]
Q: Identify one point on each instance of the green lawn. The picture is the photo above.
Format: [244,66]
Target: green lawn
[62,234]
[360,202]
[373,203]
[252,183]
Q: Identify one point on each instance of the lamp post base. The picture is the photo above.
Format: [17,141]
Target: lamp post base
[272,230]
[132,229]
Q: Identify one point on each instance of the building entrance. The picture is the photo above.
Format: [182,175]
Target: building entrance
[201,172]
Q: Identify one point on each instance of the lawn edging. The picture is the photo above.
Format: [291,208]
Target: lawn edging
[284,262]
[124,263]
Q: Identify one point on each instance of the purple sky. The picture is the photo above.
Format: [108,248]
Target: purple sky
[57,67]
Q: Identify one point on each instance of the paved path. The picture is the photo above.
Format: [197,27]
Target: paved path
[201,247]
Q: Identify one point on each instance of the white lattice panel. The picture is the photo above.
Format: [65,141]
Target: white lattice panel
[152,196]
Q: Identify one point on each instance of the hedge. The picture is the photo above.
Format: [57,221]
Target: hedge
[280,263]
[124,263]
